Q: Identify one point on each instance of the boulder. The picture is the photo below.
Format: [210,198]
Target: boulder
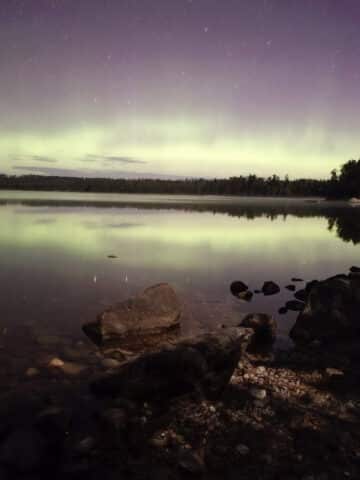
[310,285]
[238,287]
[264,327]
[270,288]
[331,311]
[295,305]
[202,364]
[301,295]
[140,322]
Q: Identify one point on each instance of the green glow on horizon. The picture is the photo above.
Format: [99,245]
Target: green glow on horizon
[186,147]
[169,239]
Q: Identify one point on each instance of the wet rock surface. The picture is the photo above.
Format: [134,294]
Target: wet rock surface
[331,311]
[138,323]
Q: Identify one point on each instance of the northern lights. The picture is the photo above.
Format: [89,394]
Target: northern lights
[179,87]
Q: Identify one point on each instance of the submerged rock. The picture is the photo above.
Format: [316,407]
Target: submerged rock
[245,296]
[139,322]
[331,311]
[238,287]
[264,327]
[270,288]
[292,288]
[202,364]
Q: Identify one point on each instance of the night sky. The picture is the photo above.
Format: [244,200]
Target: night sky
[171,88]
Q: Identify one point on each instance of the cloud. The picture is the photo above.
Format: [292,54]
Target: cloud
[90,173]
[112,158]
[33,158]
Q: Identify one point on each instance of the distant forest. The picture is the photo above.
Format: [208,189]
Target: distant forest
[345,184]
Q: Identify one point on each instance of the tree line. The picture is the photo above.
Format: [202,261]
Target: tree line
[344,184]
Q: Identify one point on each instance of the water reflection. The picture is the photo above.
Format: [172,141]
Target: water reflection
[55,271]
[343,219]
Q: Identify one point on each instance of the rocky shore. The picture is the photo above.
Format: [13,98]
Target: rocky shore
[221,405]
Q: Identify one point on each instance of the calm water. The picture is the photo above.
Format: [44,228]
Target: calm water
[55,273]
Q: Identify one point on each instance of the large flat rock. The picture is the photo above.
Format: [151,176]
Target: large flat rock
[139,322]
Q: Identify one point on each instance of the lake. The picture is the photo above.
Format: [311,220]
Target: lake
[55,272]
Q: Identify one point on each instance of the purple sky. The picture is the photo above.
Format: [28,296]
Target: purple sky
[179,87]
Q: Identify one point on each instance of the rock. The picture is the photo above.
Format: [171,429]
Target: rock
[110,363]
[85,445]
[68,368]
[112,256]
[309,286]
[140,322]
[32,372]
[242,449]
[245,296]
[264,327]
[203,364]
[23,450]
[295,305]
[331,311]
[56,363]
[301,295]
[334,372]
[270,288]
[295,279]
[191,462]
[73,369]
[238,287]
[292,288]
[258,393]
[355,269]
[282,310]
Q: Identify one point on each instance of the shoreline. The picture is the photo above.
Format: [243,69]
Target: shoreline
[281,415]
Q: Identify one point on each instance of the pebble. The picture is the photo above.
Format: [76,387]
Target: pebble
[73,369]
[56,363]
[258,393]
[334,372]
[242,449]
[85,445]
[32,372]
[110,363]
